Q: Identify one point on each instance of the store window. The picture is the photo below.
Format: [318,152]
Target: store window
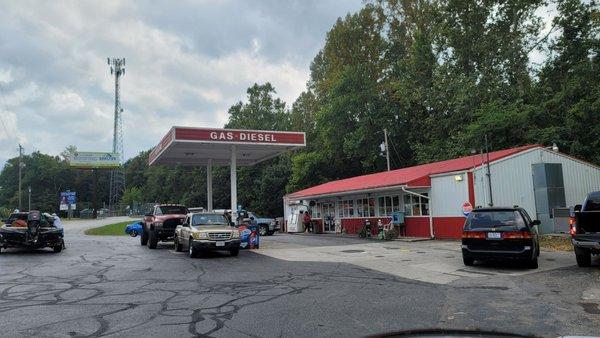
[388,205]
[316,212]
[381,203]
[360,208]
[348,208]
[371,202]
[416,205]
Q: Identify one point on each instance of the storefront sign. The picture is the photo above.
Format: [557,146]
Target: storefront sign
[239,136]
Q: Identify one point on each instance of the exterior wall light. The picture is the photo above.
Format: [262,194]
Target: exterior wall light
[458,178]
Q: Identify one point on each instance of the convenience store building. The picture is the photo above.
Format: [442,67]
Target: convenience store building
[433,196]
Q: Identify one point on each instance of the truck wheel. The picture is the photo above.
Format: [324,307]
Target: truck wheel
[152,240]
[58,248]
[178,246]
[234,252]
[583,257]
[533,263]
[468,261]
[271,233]
[144,238]
[191,251]
[263,230]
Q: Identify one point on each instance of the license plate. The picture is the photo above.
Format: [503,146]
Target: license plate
[220,244]
[494,235]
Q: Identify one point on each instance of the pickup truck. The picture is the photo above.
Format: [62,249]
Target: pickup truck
[160,223]
[585,229]
[266,226]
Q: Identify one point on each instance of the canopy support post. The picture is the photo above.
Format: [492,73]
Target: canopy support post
[209,190]
[233,178]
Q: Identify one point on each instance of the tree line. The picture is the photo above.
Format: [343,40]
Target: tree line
[439,75]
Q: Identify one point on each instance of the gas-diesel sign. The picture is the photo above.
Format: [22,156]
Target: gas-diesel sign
[241,136]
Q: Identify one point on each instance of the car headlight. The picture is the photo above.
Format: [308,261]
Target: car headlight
[235,234]
[200,235]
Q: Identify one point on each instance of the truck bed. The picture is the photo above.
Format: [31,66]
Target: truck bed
[588,222]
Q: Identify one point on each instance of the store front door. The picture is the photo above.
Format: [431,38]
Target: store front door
[328,217]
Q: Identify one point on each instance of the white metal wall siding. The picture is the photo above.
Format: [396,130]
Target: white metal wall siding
[448,195]
[512,180]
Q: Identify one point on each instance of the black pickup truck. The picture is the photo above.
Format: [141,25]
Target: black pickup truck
[585,229]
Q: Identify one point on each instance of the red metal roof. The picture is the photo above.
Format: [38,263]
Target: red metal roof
[417,176]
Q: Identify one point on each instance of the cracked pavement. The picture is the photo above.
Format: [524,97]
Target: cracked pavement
[320,286]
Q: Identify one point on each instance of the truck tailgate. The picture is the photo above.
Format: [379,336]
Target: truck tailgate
[588,221]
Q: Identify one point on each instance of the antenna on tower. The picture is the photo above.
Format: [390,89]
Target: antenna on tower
[117,177]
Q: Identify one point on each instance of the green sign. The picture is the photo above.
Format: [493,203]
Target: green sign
[94,160]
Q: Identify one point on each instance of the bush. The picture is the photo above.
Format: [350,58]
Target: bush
[362,233]
[389,235]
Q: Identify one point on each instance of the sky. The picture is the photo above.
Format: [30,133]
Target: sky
[187,62]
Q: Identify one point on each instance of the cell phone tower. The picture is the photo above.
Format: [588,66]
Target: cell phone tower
[117,176]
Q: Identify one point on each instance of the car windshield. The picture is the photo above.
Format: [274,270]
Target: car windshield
[495,219]
[592,203]
[208,219]
[171,210]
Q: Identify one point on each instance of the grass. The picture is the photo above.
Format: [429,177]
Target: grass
[559,243]
[115,229]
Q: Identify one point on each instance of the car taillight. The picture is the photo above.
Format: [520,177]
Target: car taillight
[473,234]
[517,235]
[572,226]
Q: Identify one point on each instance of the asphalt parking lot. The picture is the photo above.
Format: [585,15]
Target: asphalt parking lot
[295,285]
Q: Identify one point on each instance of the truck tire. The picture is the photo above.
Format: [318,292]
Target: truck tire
[58,248]
[191,251]
[271,233]
[468,261]
[263,229]
[152,240]
[144,237]
[533,263]
[178,246]
[234,252]
[583,257]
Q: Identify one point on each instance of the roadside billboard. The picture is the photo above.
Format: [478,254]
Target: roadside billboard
[94,160]
[68,198]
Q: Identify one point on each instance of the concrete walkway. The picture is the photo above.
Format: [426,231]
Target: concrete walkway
[435,261]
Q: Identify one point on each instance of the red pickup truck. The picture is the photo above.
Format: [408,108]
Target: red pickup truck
[160,223]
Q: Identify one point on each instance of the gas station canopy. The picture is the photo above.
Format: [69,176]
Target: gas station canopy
[197,146]
[207,146]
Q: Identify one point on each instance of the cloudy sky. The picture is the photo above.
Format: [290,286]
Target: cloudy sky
[186,65]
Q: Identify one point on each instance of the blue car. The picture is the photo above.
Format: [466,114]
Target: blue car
[134,229]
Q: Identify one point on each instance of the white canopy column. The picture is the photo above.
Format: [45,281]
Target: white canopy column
[209,191]
[233,178]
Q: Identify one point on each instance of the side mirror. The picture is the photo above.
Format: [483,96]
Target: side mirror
[535,222]
[577,207]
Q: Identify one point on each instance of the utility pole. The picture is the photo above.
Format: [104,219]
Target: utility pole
[20,173]
[117,177]
[387,149]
